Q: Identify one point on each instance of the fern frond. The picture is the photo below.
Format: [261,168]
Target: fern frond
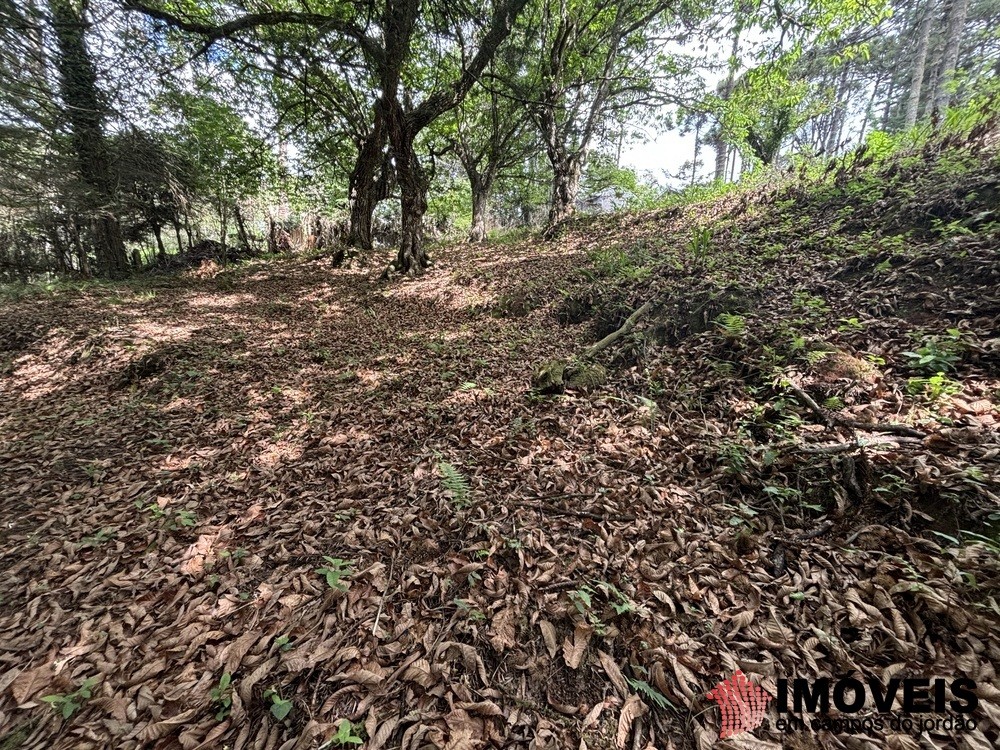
[733,326]
[455,483]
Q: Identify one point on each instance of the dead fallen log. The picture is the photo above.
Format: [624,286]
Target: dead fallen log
[887,427]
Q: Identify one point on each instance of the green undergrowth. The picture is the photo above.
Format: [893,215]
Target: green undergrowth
[863,290]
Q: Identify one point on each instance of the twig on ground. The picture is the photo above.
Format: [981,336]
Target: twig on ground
[541,508]
[895,429]
[381,602]
[808,400]
[831,420]
[813,533]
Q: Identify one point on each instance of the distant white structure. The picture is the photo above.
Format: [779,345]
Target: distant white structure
[604,201]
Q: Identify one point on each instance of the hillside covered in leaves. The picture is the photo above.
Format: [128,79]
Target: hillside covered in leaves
[281,505]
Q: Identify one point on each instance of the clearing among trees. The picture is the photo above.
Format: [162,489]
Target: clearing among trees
[280,505]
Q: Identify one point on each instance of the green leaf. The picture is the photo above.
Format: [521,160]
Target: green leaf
[280,708]
[345,734]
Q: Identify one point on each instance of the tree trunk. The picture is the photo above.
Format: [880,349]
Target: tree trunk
[272,236]
[81,251]
[726,91]
[870,109]
[887,108]
[957,14]
[919,65]
[721,156]
[566,171]
[161,251]
[58,246]
[412,258]
[224,230]
[111,256]
[697,149]
[177,232]
[84,113]
[241,228]
[363,187]
[481,189]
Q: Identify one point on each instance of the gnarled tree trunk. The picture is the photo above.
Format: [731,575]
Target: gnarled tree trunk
[412,257]
[241,229]
[481,189]
[363,187]
[566,172]
[161,251]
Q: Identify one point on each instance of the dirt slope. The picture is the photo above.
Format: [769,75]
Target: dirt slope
[768,481]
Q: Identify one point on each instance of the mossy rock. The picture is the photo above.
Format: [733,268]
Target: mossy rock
[517,304]
[583,376]
[575,308]
[839,365]
[548,376]
[152,363]
[558,375]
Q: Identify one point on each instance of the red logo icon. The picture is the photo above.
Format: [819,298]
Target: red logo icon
[741,702]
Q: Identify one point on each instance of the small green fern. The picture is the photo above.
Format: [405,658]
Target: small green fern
[456,484]
[733,326]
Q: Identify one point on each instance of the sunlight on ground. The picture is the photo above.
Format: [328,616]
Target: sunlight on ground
[217,301]
[371,379]
[177,463]
[182,403]
[442,290]
[39,379]
[158,331]
[274,454]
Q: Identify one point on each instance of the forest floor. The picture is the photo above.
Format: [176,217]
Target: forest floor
[282,505]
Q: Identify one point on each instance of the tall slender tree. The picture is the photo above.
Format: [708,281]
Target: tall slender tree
[596,58]
[917,70]
[957,12]
[84,113]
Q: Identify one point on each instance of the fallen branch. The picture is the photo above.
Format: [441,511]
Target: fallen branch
[812,534]
[626,328]
[809,401]
[895,429]
[540,508]
[830,420]
[828,448]
[578,373]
